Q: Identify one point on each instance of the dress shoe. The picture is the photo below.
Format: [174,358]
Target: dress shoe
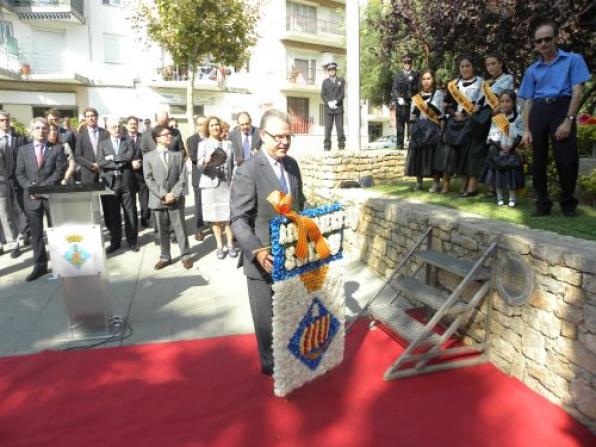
[112,249]
[187,263]
[199,236]
[134,247]
[144,223]
[15,253]
[220,253]
[36,273]
[161,264]
[1,251]
[470,193]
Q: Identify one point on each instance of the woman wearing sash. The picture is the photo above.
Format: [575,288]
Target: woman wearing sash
[426,110]
[504,169]
[498,81]
[464,93]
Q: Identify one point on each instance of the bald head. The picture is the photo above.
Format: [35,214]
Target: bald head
[163,119]
[113,127]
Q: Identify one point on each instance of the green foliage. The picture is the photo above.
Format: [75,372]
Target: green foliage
[586,137]
[588,183]
[18,126]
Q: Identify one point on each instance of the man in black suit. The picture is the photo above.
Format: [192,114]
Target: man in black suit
[40,164]
[332,93]
[8,215]
[269,170]
[132,134]
[245,138]
[405,85]
[192,146]
[87,145]
[115,158]
[163,119]
[66,136]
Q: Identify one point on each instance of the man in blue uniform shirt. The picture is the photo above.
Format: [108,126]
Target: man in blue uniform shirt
[552,88]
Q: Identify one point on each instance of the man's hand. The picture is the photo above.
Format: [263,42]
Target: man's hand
[458,116]
[563,130]
[527,138]
[136,164]
[169,199]
[265,260]
[34,197]
[401,101]
[94,167]
[109,157]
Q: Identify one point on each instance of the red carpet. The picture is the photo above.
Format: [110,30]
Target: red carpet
[210,392]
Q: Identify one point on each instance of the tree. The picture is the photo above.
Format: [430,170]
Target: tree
[191,30]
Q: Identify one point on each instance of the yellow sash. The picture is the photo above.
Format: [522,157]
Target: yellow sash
[461,99]
[424,108]
[499,119]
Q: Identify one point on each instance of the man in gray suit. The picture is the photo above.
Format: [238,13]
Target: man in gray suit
[39,164]
[8,214]
[269,170]
[165,176]
[245,138]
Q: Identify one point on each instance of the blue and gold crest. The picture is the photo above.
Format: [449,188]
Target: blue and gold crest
[314,335]
[76,255]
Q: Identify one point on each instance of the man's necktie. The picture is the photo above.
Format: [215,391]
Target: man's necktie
[246,147]
[116,144]
[282,178]
[39,154]
[164,155]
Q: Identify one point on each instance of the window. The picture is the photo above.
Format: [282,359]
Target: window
[5,31]
[301,18]
[298,113]
[114,49]
[112,2]
[181,110]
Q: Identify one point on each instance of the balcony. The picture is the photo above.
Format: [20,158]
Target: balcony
[72,11]
[303,79]
[313,31]
[207,77]
[300,125]
[10,64]
[48,68]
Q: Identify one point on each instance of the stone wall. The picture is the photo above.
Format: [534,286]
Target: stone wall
[548,343]
[322,172]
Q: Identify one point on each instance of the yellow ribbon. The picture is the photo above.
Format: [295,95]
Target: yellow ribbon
[307,228]
[461,99]
[424,108]
[499,119]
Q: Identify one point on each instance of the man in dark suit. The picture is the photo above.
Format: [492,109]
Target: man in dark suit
[66,136]
[405,85]
[132,134]
[87,145]
[245,138]
[165,175]
[332,93]
[8,215]
[192,146]
[269,170]
[176,144]
[115,157]
[39,164]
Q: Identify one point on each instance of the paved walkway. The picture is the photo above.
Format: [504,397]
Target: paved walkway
[171,304]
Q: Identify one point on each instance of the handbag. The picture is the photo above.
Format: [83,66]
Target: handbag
[425,133]
[456,132]
[218,157]
[479,122]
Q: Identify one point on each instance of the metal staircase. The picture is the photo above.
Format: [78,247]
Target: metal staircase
[429,346]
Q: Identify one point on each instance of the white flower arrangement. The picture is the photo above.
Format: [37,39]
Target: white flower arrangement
[333,241]
[291,301]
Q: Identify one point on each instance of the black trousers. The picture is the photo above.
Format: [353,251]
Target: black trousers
[338,118]
[402,117]
[544,120]
[35,221]
[199,222]
[144,201]
[19,210]
[260,296]
[126,200]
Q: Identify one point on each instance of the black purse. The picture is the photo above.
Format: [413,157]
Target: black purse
[456,132]
[425,133]
[479,122]
[218,157]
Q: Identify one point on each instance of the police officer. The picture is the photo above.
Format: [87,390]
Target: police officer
[405,85]
[332,93]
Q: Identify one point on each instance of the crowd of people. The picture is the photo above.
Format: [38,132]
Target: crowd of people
[146,172]
[473,127]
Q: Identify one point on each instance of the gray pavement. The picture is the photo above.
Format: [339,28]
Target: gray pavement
[208,300]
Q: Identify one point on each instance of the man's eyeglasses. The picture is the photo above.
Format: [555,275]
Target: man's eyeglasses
[279,138]
[544,39]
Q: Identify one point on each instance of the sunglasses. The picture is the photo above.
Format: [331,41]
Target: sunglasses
[544,39]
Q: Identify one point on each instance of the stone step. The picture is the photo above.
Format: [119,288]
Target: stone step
[453,265]
[426,294]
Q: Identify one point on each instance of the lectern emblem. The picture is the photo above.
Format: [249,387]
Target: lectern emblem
[314,335]
[76,255]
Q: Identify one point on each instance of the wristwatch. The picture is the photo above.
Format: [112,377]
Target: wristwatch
[570,118]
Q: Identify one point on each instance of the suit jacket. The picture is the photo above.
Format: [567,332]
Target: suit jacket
[237,137]
[51,172]
[67,136]
[138,173]
[192,144]
[334,91]
[405,85]
[250,211]
[148,144]
[85,156]
[8,163]
[120,165]
[160,182]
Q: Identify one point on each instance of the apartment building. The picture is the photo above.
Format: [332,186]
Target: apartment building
[73,53]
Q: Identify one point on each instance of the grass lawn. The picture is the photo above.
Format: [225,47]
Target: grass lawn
[583,225]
